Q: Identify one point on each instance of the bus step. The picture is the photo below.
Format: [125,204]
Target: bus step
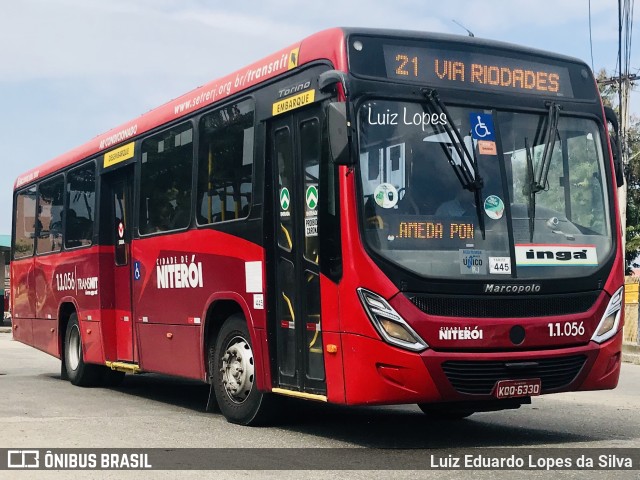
[303,395]
[124,367]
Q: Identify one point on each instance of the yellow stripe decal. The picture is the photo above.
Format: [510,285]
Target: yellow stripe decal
[119,155]
[297,101]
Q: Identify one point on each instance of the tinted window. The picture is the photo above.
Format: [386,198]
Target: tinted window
[225,163]
[49,222]
[165,185]
[24,234]
[80,213]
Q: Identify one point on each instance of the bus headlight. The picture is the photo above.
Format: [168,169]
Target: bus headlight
[389,324]
[610,322]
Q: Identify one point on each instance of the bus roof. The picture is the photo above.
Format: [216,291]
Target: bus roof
[328,44]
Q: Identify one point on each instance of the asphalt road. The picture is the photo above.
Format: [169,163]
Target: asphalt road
[38,410]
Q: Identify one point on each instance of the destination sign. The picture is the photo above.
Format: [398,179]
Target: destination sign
[417,232]
[453,68]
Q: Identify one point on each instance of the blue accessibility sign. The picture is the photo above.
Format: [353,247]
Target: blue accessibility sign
[136,271]
[482,126]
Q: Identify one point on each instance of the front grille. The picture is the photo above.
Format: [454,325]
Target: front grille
[504,307]
[479,377]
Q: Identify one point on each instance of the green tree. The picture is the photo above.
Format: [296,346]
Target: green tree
[609,93]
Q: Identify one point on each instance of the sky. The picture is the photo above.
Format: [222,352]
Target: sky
[73,69]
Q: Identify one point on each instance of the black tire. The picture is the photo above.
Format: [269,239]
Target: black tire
[440,412]
[232,373]
[79,373]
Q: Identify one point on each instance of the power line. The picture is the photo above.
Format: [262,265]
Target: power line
[590,41]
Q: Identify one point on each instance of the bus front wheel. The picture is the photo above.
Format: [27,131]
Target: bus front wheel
[79,373]
[233,374]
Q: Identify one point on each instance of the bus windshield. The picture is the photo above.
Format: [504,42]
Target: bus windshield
[543,192]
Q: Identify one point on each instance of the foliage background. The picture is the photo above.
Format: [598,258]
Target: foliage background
[609,95]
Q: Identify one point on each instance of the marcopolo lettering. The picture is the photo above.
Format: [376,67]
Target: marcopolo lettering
[512,288]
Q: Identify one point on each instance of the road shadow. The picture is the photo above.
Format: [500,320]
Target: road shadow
[375,427]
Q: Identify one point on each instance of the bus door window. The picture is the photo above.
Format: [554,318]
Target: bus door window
[310,151]
[286,296]
[121,219]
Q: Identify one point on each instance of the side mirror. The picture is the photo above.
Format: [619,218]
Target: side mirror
[611,118]
[338,131]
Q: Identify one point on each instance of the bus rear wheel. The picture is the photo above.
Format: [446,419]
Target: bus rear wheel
[80,373]
[233,374]
[441,412]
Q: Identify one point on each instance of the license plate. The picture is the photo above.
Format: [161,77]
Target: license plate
[517,388]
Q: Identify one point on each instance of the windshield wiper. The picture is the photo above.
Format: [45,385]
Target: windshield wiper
[537,178]
[552,134]
[529,190]
[469,179]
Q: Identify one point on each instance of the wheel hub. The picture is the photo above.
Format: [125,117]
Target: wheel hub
[74,348]
[237,370]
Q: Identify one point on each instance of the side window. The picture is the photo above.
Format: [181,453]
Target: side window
[165,181]
[25,230]
[49,221]
[81,200]
[225,163]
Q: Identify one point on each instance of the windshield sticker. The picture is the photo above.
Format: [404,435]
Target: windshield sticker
[312,197]
[386,195]
[285,200]
[311,227]
[542,255]
[500,265]
[494,207]
[482,126]
[473,262]
[487,147]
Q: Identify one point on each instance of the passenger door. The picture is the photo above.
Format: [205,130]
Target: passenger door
[118,196]
[295,152]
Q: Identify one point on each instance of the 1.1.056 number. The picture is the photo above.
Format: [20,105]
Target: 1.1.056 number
[566,329]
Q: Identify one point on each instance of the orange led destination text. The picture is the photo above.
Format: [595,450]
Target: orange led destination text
[499,76]
[435,230]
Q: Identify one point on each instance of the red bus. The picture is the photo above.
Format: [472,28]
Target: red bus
[364,217]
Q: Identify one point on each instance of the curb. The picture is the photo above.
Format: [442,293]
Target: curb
[5,329]
[631,353]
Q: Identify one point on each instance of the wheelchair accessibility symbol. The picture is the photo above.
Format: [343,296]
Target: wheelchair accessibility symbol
[136,271]
[482,126]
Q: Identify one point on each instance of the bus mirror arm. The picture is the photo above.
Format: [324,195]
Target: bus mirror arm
[330,78]
[611,118]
